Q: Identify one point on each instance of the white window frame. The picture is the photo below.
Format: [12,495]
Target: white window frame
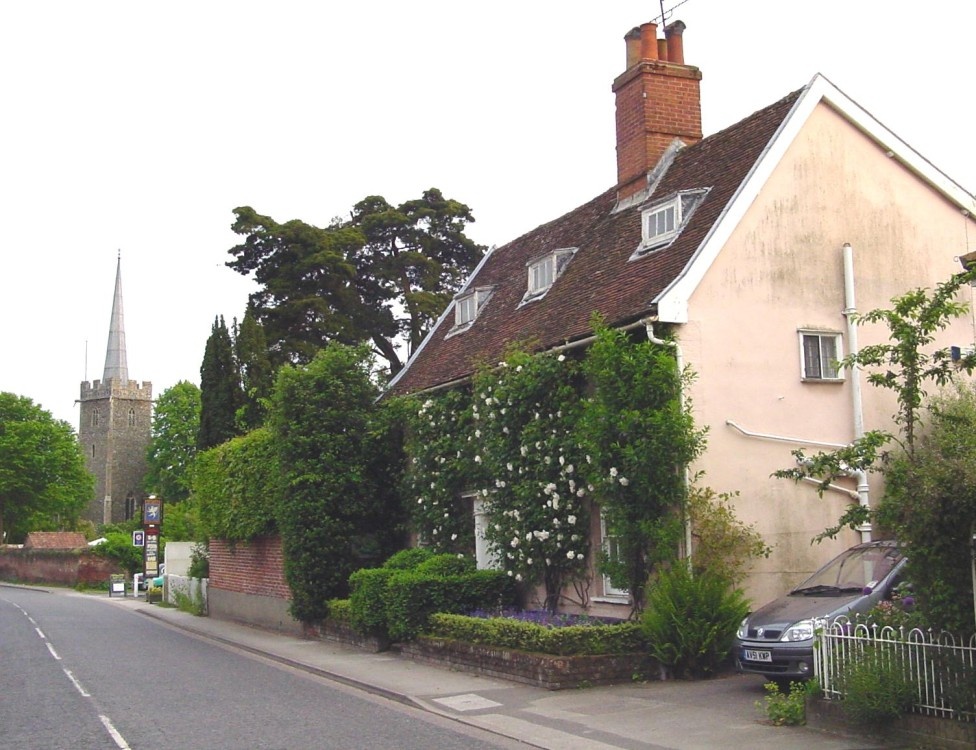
[608,544]
[484,557]
[467,306]
[826,371]
[662,222]
[543,272]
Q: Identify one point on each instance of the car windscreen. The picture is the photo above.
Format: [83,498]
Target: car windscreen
[853,571]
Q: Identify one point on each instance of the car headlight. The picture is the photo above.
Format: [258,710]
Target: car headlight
[743,628]
[799,631]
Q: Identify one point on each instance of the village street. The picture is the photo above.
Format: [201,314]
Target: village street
[87,671]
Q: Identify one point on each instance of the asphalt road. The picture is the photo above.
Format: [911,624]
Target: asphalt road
[79,673]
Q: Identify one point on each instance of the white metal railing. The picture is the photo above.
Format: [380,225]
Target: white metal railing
[941,666]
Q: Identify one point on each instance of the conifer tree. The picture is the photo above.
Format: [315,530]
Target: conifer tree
[220,389]
[256,371]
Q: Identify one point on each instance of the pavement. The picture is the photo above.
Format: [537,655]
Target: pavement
[672,715]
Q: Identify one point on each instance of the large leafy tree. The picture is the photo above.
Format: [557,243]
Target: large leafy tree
[220,389]
[381,277]
[175,427]
[43,480]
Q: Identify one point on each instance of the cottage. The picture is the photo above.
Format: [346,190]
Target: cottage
[752,247]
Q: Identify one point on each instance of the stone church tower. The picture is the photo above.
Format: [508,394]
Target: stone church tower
[114,433]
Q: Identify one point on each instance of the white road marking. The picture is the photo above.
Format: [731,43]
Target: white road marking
[53,652]
[119,739]
[78,686]
[44,637]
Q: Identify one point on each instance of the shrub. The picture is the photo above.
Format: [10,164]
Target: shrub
[876,687]
[789,708]
[118,548]
[690,621]
[412,597]
[446,565]
[505,632]
[340,610]
[367,600]
[199,561]
[406,559]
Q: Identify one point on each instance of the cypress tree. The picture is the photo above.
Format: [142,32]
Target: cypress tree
[257,373]
[220,389]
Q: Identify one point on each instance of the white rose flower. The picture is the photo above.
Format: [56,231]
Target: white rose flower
[624,481]
[571,555]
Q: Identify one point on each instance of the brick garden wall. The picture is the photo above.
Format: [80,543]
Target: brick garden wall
[256,567]
[63,567]
[247,584]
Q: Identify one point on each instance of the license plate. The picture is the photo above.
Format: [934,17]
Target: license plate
[750,655]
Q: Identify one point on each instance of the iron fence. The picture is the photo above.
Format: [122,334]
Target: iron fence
[940,666]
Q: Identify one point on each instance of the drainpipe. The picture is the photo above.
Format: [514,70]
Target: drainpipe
[850,312]
[679,358]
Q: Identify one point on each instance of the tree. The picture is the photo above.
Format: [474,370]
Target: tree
[334,492]
[43,480]
[175,429]
[928,473]
[256,371]
[220,389]
[382,277]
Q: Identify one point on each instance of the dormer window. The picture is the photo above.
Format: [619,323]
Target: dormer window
[544,270]
[662,222]
[467,306]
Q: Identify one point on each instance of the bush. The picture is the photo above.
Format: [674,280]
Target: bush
[367,600]
[790,708]
[504,632]
[876,687]
[199,561]
[413,596]
[340,610]
[406,559]
[446,565]
[690,621]
[118,548]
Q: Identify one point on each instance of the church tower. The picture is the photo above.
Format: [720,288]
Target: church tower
[114,433]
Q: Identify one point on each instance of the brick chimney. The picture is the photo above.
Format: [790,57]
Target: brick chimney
[658,100]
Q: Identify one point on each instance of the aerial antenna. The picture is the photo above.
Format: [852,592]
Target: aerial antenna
[666,14]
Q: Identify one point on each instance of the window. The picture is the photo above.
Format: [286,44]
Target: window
[467,306]
[544,271]
[612,550]
[663,222]
[94,418]
[819,352]
[132,417]
[130,507]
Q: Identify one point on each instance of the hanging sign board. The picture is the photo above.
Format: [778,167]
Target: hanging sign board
[150,553]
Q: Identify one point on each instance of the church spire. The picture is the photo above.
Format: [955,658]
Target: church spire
[115,364]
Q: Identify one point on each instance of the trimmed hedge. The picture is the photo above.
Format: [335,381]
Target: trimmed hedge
[340,610]
[367,600]
[575,640]
[413,596]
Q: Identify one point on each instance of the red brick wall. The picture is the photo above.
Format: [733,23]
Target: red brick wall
[256,567]
[66,567]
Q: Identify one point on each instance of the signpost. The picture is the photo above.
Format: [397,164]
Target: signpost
[152,520]
[116,584]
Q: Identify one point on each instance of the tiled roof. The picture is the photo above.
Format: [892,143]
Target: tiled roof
[599,278]
[55,540]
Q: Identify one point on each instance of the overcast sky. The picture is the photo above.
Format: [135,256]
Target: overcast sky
[139,127]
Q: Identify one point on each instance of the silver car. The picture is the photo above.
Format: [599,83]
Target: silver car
[777,640]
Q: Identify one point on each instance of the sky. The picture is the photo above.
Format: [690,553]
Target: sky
[133,130]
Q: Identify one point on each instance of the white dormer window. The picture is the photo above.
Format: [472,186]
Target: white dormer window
[662,222]
[467,306]
[544,270]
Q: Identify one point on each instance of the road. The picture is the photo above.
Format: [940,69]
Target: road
[78,672]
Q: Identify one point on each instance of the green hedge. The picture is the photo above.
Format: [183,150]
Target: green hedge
[367,600]
[413,596]
[340,610]
[623,638]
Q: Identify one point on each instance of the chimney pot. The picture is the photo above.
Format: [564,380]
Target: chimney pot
[633,41]
[648,47]
[662,49]
[673,34]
